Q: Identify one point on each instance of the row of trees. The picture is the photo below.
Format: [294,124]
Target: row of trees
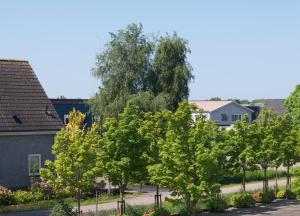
[189,156]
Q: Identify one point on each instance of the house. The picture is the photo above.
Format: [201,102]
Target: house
[64,106]
[28,124]
[276,105]
[226,113]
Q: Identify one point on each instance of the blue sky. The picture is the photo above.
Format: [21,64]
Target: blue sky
[240,49]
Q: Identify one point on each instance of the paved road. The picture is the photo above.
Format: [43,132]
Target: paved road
[148,198]
[277,208]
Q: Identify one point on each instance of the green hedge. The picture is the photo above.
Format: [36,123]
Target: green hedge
[256,175]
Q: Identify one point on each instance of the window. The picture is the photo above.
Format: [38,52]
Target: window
[224,117]
[34,164]
[236,117]
[66,119]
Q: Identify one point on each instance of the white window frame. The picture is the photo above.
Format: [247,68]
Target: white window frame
[66,116]
[234,119]
[40,164]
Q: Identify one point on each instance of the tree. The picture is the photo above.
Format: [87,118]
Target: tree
[171,72]
[215,99]
[122,149]
[266,127]
[153,130]
[75,150]
[188,157]
[240,150]
[127,69]
[290,146]
[123,68]
[292,104]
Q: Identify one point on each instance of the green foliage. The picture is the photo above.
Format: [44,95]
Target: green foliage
[267,141]
[240,148]
[171,71]
[75,150]
[280,195]
[122,157]
[290,194]
[188,156]
[252,175]
[263,197]
[42,190]
[217,204]
[296,182]
[242,200]
[24,196]
[6,196]
[292,104]
[62,209]
[134,66]
[286,194]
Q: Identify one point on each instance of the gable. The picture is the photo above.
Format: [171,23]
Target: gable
[24,105]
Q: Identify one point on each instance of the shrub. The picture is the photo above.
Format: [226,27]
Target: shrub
[6,196]
[263,197]
[280,195]
[217,204]
[44,190]
[242,200]
[255,175]
[62,209]
[290,194]
[24,196]
[155,212]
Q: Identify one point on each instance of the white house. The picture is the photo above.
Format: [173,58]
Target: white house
[226,113]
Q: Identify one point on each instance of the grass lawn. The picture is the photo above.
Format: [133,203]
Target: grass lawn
[48,204]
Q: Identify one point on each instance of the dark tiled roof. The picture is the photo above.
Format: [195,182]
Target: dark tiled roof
[24,105]
[68,101]
[276,105]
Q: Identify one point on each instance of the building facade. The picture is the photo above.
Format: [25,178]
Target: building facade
[28,124]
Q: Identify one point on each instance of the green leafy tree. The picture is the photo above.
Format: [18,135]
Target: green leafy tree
[123,68]
[122,149]
[289,146]
[171,71]
[153,130]
[292,104]
[188,157]
[266,143]
[75,166]
[132,64]
[240,151]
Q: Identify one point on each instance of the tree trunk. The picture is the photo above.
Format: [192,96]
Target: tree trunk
[288,180]
[265,185]
[78,204]
[141,187]
[157,189]
[122,193]
[188,203]
[244,181]
[276,179]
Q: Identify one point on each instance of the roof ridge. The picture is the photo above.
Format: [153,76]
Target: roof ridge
[13,60]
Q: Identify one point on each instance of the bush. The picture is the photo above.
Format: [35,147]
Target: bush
[6,196]
[24,197]
[255,175]
[43,190]
[263,197]
[242,200]
[290,194]
[62,209]
[280,195]
[217,204]
[156,212]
